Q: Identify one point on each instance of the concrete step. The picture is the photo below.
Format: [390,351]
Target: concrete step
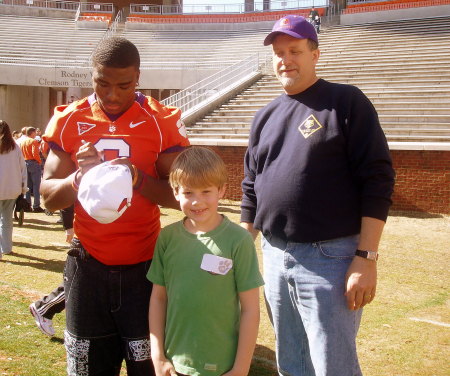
[220,130]
[415,138]
[417,131]
[414,118]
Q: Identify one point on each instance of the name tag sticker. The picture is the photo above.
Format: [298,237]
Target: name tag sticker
[216,264]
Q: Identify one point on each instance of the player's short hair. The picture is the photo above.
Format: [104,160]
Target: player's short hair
[30,130]
[116,52]
[198,167]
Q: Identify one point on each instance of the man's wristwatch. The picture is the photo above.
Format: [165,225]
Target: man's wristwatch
[370,255]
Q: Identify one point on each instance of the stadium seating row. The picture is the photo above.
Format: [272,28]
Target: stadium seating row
[217,18]
[96,17]
[38,45]
[392,5]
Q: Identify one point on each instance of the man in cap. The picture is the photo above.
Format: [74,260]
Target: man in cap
[318,181]
[105,283]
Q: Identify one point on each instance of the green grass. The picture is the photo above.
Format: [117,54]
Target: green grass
[413,283]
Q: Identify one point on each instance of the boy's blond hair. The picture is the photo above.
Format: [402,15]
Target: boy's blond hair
[197,167]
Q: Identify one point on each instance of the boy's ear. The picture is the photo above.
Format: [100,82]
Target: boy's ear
[222,191]
[175,194]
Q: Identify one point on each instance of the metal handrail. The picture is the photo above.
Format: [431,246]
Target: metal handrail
[364,1]
[71,6]
[97,7]
[257,6]
[114,25]
[77,15]
[214,86]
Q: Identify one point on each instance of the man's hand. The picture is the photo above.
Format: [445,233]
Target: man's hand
[87,157]
[360,282]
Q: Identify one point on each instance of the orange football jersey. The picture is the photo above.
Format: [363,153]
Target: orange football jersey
[144,131]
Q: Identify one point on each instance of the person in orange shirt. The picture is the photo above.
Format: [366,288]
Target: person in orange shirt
[105,283]
[30,151]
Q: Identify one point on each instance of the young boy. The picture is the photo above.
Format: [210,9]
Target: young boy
[204,308]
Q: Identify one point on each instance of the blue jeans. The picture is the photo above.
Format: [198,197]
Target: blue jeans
[6,225]
[106,317]
[33,182]
[304,290]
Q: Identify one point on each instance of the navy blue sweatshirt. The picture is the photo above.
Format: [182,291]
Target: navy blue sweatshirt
[316,163]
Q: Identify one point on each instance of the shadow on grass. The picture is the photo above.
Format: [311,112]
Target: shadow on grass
[263,363]
[33,224]
[57,340]
[36,262]
[227,209]
[413,214]
[35,246]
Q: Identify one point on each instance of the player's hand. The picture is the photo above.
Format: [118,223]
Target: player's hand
[126,162]
[360,282]
[87,157]
[69,235]
[163,367]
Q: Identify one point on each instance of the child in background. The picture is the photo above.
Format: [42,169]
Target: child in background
[204,308]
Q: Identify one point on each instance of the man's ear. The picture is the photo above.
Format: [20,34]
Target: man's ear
[175,194]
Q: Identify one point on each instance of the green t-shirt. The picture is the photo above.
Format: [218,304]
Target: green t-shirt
[203,311]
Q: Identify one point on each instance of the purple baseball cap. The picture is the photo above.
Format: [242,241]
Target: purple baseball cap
[293,25]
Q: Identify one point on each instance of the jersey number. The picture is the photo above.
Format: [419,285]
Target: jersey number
[118,146]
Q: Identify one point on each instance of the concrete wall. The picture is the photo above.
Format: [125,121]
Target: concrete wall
[36,11]
[27,93]
[422,182]
[391,15]
[175,78]
[22,106]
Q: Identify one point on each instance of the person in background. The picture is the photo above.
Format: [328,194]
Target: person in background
[204,309]
[38,137]
[16,135]
[23,136]
[317,24]
[318,185]
[13,175]
[313,13]
[107,321]
[44,309]
[30,151]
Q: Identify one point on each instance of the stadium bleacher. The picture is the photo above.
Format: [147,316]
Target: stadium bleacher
[214,47]
[394,63]
[45,40]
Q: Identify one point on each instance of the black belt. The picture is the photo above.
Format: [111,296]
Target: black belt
[77,250]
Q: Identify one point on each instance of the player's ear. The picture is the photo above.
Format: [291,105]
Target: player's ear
[138,74]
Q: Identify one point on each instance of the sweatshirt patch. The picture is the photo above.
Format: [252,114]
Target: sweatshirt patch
[309,126]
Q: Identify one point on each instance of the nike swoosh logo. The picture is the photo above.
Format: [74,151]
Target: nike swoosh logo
[136,124]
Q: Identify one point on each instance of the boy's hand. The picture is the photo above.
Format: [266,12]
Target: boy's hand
[163,367]
[232,372]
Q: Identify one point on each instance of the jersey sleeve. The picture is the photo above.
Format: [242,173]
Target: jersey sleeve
[53,131]
[173,130]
